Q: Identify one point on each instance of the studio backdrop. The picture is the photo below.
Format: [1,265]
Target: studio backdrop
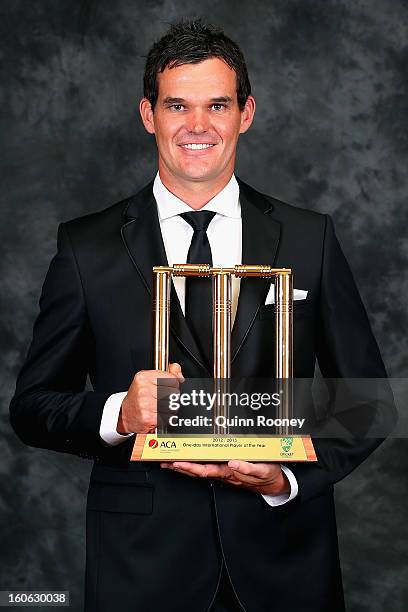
[330,134]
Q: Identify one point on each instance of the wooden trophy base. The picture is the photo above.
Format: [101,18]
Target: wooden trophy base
[208,448]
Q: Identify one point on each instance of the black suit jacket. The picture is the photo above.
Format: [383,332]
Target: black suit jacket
[156,538]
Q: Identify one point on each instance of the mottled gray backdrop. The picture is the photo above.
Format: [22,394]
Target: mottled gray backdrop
[330,79]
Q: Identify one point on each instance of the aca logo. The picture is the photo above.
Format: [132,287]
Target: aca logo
[153,443]
[286,445]
[168,444]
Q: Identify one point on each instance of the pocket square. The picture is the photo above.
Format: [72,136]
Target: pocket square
[298,294]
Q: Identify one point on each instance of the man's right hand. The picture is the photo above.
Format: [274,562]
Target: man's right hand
[138,413]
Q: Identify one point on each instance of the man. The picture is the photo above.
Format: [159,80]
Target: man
[190,537]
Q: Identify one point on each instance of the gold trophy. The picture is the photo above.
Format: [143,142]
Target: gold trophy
[221,446]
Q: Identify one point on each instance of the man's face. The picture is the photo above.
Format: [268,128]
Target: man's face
[197,121]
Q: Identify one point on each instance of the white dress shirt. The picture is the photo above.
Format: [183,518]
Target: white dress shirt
[225,237]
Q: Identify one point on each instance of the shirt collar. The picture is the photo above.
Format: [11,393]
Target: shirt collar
[226,202]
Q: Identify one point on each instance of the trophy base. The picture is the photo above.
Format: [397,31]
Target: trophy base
[153,447]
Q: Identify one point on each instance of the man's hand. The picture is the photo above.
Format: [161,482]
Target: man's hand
[264,478]
[138,413]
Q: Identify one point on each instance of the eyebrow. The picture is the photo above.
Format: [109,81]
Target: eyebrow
[169,100]
[219,100]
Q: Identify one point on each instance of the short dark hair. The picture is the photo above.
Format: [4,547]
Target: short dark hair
[192,42]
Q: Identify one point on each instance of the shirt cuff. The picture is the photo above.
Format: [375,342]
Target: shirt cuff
[279,500]
[109,421]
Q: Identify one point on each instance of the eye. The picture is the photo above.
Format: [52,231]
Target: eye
[177,107]
[218,106]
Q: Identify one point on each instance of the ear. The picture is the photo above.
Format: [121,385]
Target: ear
[146,113]
[247,114]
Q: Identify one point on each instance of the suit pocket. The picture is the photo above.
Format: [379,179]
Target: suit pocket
[123,498]
[120,490]
[300,308]
[125,473]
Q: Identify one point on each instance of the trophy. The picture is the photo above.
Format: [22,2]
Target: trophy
[220,445]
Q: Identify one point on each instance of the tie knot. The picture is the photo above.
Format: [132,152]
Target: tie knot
[198,220]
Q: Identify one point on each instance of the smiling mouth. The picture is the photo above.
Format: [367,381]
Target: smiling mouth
[196,147]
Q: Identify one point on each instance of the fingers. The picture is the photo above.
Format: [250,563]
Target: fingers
[191,469]
[186,472]
[139,408]
[151,377]
[175,369]
[245,468]
[266,478]
[202,470]
[255,473]
[171,378]
[239,469]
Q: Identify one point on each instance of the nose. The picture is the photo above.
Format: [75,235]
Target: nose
[197,121]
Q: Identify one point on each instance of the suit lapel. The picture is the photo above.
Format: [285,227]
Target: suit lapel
[260,239]
[143,240]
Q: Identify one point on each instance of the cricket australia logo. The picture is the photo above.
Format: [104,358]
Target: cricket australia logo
[286,445]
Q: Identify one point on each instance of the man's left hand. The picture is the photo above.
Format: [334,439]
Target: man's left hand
[264,478]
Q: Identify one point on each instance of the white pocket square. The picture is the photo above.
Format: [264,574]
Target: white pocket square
[298,294]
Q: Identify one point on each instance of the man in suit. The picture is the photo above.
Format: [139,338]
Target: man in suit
[180,536]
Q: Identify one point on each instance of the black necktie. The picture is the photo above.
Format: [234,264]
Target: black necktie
[198,304]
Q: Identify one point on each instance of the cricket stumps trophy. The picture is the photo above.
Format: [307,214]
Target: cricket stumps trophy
[221,445]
